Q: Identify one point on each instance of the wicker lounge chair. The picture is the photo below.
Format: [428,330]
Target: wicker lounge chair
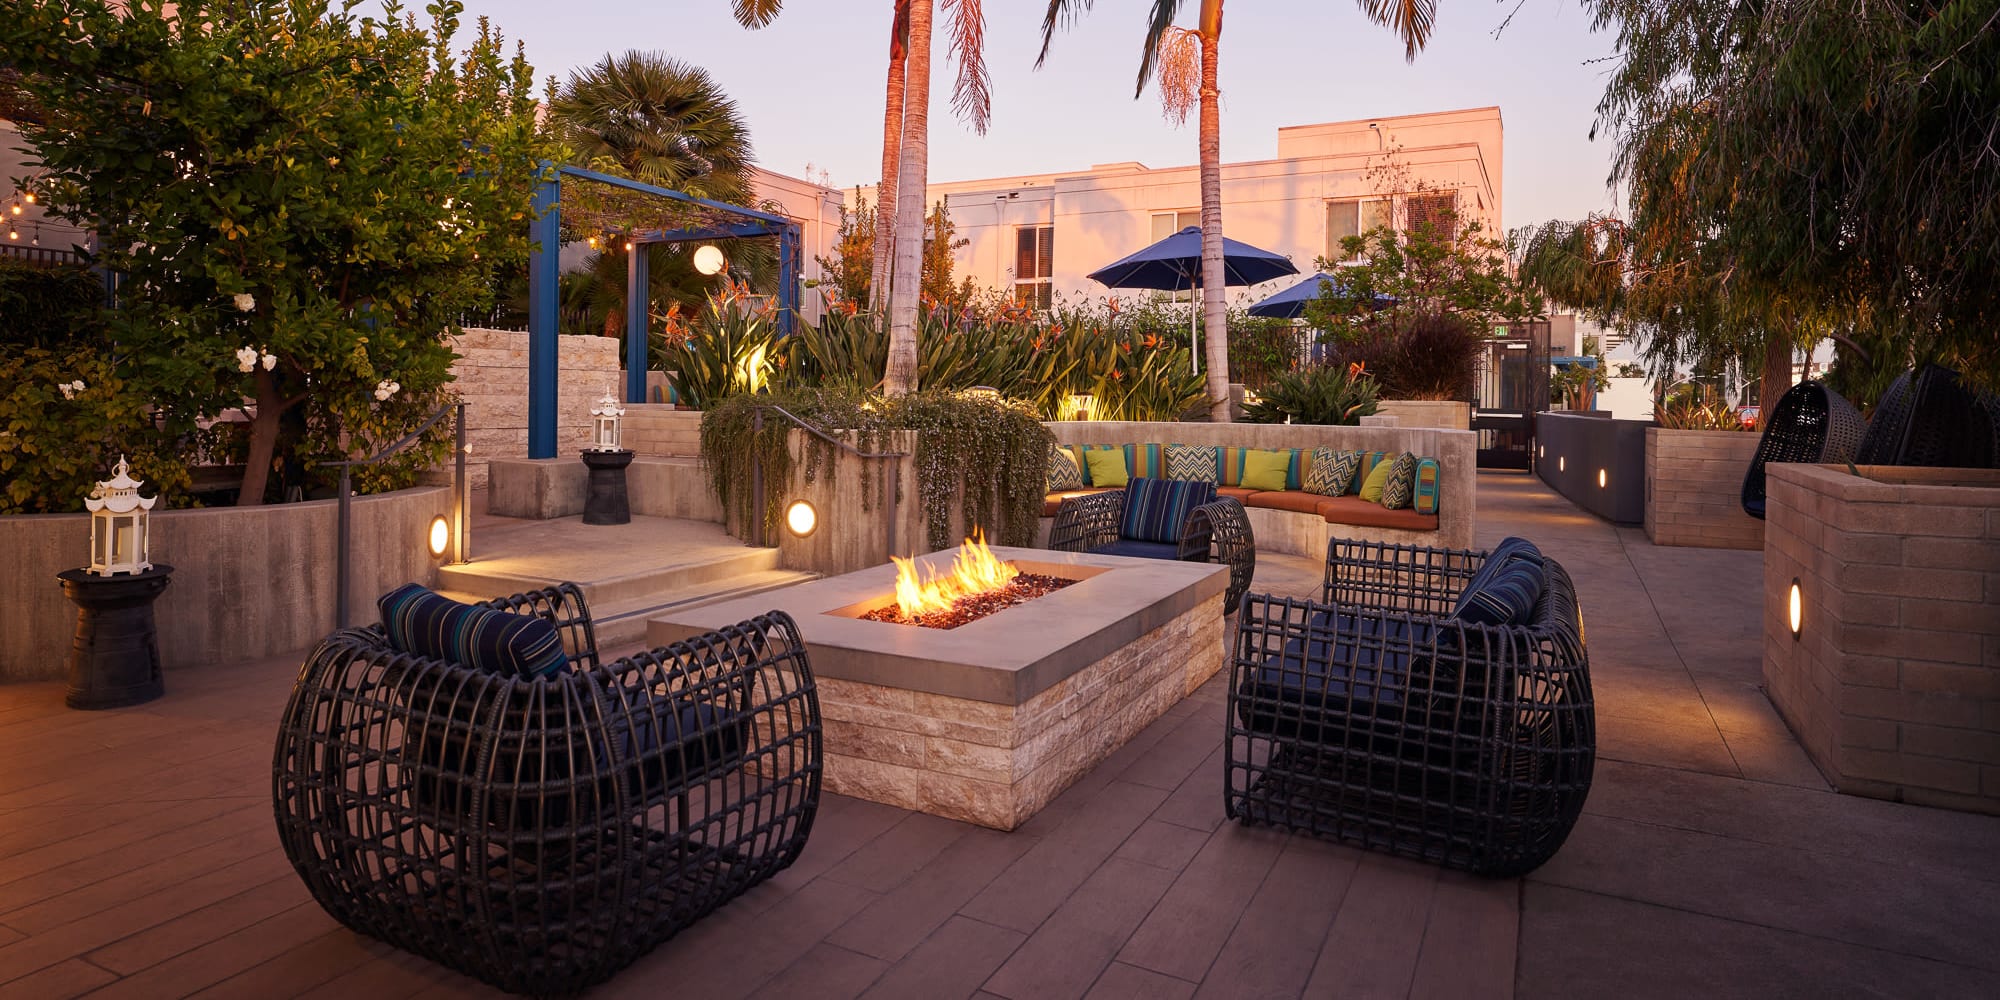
[1375,717]
[542,834]
[1215,529]
[1811,423]
[1929,418]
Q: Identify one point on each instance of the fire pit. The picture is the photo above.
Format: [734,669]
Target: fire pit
[978,585]
[985,718]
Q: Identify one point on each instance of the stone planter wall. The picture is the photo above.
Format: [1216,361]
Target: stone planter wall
[1893,682]
[491,376]
[1694,489]
[1443,414]
[248,582]
[661,429]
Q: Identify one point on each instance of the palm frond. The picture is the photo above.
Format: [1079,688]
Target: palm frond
[1411,20]
[756,13]
[972,95]
[1159,22]
[1060,12]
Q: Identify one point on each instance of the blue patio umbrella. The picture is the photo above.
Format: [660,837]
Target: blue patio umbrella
[1174,264]
[1291,303]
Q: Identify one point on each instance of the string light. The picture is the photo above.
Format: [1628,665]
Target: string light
[12,233]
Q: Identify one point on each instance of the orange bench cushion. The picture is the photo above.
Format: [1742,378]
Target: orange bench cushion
[1356,511]
[1054,500]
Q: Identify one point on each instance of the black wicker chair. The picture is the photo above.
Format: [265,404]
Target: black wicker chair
[1218,532]
[1811,423]
[1373,717]
[1928,417]
[542,834]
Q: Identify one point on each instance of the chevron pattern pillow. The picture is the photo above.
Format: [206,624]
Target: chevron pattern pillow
[1063,473]
[1331,471]
[1192,463]
[1402,485]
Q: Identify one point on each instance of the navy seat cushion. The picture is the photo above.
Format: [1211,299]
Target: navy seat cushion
[421,622]
[1507,596]
[1155,509]
[1139,549]
[665,737]
[1346,666]
[1511,549]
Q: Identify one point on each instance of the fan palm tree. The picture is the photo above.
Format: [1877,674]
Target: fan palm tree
[971,98]
[661,120]
[1185,61]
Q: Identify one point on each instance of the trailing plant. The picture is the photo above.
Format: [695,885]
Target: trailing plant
[1328,394]
[975,452]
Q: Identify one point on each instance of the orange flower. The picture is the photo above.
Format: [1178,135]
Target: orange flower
[1152,340]
[1113,303]
[1356,369]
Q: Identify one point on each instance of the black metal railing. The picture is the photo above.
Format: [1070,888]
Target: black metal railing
[459,502]
[757,470]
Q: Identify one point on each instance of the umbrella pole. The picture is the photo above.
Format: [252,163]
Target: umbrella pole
[1194,338]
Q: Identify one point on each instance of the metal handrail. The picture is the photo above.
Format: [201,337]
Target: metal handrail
[757,471]
[459,501]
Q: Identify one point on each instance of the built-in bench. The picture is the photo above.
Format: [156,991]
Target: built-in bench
[1293,520]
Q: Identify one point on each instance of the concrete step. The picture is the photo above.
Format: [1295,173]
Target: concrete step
[497,578]
[623,623]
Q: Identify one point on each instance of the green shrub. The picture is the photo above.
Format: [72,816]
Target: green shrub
[1328,394]
[45,306]
[732,348]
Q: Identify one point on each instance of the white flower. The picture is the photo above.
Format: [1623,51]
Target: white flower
[246,358]
[385,389]
[70,389]
[245,302]
[270,361]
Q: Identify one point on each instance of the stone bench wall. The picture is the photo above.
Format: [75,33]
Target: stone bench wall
[491,376]
[1694,489]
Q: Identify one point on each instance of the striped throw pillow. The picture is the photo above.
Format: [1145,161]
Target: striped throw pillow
[1331,471]
[1198,463]
[1425,499]
[1144,461]
[1369,460]
[421,622]
[1063,473]
[1155,509]
[1401,486]
[1508,597]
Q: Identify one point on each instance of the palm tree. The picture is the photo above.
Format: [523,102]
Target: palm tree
[971,98]
[892,146]
[661,120]
[1177,54]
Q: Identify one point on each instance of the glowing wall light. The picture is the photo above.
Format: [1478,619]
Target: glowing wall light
[1795,609]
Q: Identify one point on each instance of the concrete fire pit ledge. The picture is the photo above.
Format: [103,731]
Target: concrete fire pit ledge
[989,721]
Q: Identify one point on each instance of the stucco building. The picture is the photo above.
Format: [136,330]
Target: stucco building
[1039,235]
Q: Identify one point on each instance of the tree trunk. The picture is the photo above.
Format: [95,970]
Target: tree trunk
[263,440]
[1214,294]
[892,146]
[907,276]
[1777,374]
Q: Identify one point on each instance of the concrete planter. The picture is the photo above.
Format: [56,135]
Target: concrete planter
[1443,414]
[1694,489]
[248,582]
[1596,462]
[1892,681]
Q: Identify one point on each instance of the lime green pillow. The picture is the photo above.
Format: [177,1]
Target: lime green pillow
[1266,470]
[1378,477]
[1107,466]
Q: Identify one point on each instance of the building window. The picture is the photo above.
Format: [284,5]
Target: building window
[1354,217]
[1033,247]
[1437,210]
[1166,224]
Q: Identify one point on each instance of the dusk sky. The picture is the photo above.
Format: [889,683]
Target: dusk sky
[811,84]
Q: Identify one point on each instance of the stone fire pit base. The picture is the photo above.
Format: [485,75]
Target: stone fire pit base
[987,722]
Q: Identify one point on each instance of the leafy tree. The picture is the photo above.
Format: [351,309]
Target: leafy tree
[302,201]
[658,120]
[1185,60]
[1428,267]
[854,247]
[1801,171]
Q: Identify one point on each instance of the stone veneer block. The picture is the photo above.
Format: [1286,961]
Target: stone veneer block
[1694,489]
[1893,683]
[989,721]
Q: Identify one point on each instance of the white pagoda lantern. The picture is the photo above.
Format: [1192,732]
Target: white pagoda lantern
[604,423]
[118,529]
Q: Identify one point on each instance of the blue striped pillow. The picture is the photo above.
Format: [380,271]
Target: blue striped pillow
[1156,508]
[1507,597]
[421,622]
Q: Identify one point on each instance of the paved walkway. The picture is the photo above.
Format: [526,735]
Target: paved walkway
[137,856]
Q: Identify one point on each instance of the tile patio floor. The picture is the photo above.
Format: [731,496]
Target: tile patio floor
[137,856]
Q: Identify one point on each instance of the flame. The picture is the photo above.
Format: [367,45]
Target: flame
[975,570]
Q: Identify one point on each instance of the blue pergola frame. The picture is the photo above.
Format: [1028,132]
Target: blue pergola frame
[545,269]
